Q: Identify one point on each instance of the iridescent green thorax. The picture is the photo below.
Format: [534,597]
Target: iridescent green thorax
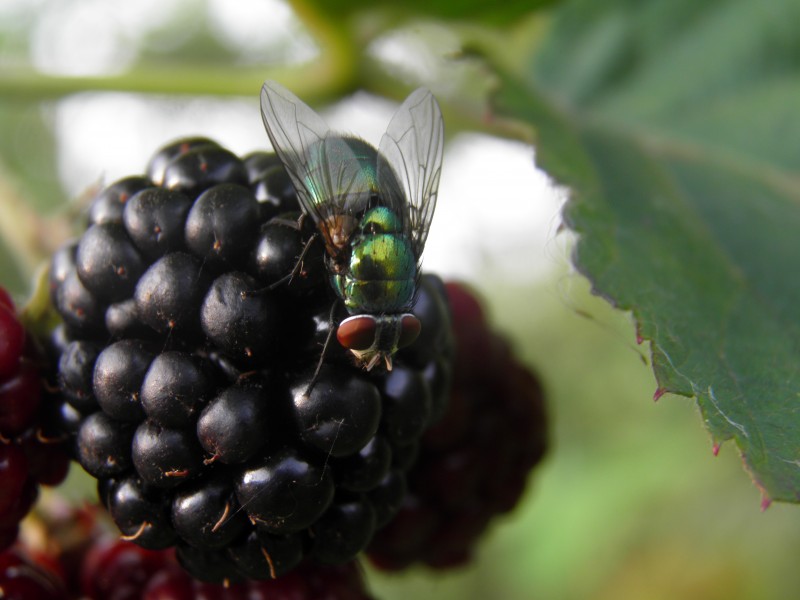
[380,219]
[381,273]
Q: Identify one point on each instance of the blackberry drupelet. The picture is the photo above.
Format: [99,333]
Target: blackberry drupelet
[196,307]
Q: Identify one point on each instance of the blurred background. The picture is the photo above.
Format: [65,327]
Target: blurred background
[631,502]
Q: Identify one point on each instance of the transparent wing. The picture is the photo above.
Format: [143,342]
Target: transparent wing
[323,167]
[294,130]
[413,145]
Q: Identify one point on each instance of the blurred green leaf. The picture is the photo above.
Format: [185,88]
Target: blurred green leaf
[13,279]
[28,152]
[29,188]
[675,123]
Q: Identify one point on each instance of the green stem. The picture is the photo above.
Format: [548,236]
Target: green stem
[330,74]
[28,85]
[337,65]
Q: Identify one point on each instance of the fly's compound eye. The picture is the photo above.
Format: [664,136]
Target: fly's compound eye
[357,333]
[409,330]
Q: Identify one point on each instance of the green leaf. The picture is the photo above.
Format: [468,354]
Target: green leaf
[29,187]
[27,150]
[675,123]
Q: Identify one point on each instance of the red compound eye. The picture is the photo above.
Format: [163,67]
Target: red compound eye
[409,330]
[357,333]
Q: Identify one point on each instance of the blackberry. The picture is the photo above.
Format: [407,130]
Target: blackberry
[197,307]
[407,408]
[107,262]
[222,224]
[285,492]
[207,514]
[77,558]
[76,372]
[154,220]
[263,555]
[242,322]
[175,388]
[108,206]
[117,378]
[200,168]
[169,294]
[270,183]
[141,512]
[339,414]
[103,445]
[83,313]
[387,497]
[235,424]
[277,250]
[364,470]
[344,530]
[159,162]
[62,264]
[122,321]
[474,462]
[165,457]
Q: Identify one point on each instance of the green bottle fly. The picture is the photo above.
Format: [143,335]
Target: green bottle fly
[372,207]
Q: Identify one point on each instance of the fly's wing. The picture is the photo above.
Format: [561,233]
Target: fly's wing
[293,128]
[318,163]
[413,145]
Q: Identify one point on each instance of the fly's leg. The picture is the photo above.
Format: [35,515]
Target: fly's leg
[298,266]
[331,323]
[286,279]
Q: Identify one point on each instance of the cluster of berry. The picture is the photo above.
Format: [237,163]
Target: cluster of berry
[84,562]
[32,452]
[473,463]
[188,362]
[188,386]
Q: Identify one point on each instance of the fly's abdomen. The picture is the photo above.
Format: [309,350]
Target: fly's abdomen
[381,277]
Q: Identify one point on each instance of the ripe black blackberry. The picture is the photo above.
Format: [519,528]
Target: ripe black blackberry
[473,463]
[194,317]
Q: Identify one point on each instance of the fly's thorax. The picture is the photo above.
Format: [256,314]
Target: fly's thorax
[380,219]
[381,271]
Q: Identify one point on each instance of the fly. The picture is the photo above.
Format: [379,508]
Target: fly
[372,207]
